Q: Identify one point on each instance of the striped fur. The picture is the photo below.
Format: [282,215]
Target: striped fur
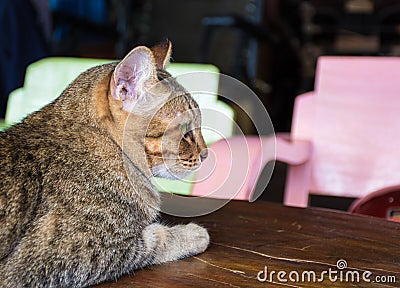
[76,203]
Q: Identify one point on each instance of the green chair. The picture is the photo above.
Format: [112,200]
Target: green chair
[47,78]
[44,81]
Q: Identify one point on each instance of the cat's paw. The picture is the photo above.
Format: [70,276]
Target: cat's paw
[176,242]
[199,238]
[195,239]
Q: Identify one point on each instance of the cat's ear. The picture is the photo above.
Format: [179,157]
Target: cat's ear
[131,77]
[162,54]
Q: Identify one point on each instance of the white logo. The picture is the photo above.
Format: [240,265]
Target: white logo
[342,274]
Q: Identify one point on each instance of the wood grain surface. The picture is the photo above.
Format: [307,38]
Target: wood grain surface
[322,248]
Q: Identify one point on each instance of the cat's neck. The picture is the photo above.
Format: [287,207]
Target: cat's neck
[126,129]
[89,103]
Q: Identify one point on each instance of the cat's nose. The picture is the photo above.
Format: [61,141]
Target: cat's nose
[203,154]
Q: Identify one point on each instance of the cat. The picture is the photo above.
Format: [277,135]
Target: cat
[77,206]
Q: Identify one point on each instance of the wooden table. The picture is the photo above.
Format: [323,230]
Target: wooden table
[285,247]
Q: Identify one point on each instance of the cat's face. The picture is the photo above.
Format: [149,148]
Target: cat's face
[140,86]
[174,143]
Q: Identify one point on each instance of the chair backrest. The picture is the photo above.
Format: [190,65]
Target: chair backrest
[47,78]
[352,120]
[44,81]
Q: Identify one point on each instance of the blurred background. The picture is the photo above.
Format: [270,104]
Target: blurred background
[270,45]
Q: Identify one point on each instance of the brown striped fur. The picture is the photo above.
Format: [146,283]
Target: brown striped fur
[76,203]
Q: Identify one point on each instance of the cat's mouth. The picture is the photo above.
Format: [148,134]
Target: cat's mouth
[173,171]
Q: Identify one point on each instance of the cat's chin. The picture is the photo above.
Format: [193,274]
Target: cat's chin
[163,172]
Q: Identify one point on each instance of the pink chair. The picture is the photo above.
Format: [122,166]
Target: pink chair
[234,164]
[345,138]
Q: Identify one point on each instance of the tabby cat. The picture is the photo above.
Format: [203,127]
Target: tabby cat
[76,203]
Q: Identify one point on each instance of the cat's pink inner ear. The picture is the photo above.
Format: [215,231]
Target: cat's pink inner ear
[132,72]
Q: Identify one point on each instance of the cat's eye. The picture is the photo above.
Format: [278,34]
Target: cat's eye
[190,135]
[184,129]
[186,132]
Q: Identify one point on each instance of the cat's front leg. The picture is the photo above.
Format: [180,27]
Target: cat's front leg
[176,242]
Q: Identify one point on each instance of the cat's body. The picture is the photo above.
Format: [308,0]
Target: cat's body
[76,207]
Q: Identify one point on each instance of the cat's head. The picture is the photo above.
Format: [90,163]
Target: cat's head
[173,142]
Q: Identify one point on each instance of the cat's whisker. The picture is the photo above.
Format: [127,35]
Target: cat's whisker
[157,173]
[176,167]
[161,157]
